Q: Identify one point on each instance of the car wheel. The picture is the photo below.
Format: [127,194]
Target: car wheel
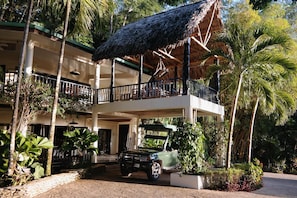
[124,170]
[154,172]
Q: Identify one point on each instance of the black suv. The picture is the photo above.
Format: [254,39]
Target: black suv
[153,155]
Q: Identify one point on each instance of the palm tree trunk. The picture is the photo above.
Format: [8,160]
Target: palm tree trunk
[57,89]
[252,129]
[232,121]
[18,90]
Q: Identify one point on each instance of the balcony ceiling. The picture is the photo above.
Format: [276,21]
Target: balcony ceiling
[161,38]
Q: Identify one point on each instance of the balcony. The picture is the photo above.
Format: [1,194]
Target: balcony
[71,90]
[156,89]
[148,90]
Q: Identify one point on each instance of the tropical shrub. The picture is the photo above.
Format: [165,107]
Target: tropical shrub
[35,99]
[4,151]
[28,150]
[241,177]
[80,140]
[217,140]
[224,179]
[190,141]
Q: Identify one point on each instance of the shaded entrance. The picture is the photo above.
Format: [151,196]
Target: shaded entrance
[123,134]
[104,141]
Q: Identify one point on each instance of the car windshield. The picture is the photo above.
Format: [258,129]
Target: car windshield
[153,142]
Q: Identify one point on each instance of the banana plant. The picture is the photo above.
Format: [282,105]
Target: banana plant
[28,150]
[81,140]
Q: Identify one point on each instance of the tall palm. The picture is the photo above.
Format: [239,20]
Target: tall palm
[266,89]
[56,96]
[249,47]
[18,90]
[83,22]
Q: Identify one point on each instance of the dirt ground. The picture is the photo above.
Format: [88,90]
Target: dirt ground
[109,183]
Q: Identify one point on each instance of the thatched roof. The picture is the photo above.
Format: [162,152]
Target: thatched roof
[167,29]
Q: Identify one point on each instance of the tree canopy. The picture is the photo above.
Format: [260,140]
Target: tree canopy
[256,69]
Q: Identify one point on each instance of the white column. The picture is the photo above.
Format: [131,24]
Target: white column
[29,59]
[96,86]
[97,76]
[132,141]
[188,114]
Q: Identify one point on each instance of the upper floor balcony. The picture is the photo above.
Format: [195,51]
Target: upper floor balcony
[89,96]
[156,89]
[68,89]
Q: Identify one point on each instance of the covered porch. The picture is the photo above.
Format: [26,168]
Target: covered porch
[172,45]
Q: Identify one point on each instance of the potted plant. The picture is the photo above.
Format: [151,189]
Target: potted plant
[191,155]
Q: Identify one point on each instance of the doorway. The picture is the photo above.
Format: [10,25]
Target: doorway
[104,141]
[123,134]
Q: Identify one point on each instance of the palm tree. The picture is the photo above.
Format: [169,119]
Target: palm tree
[266,85]
[250,46]
[83,23]
[18,90]
[56,96]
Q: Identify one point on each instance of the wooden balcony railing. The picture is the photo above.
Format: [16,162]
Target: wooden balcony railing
[68,89]
[156,89]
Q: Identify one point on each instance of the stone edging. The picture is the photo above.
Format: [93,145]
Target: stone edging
[36,187]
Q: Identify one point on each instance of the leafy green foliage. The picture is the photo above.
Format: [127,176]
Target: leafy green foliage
[28,150]
[252,176]
[191,148]
[216,140]
[219,179]
[4,150]
[35,96]
[81,140]
[241,177]
[276,146]
[258,71]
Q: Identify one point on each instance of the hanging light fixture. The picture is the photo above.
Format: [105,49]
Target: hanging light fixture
[73,122]
[75,73]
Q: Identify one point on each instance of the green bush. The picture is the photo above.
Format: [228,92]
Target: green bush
[241,177]
[223,179]
[253,174]
[80,140]
[27,151]
[191,148]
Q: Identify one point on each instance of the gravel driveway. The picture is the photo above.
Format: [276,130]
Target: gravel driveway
[109,183]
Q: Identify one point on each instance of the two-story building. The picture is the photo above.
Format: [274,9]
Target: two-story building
[148,69]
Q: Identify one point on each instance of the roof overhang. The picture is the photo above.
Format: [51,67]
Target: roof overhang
[161,38]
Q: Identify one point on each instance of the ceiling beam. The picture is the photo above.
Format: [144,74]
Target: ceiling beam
[169,55]
[158,54]
[137,62]
[199,43]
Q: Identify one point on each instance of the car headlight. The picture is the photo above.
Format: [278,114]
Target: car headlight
[154,156]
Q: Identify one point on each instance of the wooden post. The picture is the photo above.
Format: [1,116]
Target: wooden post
[140,76]
[112,76]
[175,78]
[186,66]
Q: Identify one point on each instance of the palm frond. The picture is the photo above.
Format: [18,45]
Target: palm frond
[265,42]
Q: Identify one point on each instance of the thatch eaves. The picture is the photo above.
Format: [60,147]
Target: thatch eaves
[167,30]
[150,33]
